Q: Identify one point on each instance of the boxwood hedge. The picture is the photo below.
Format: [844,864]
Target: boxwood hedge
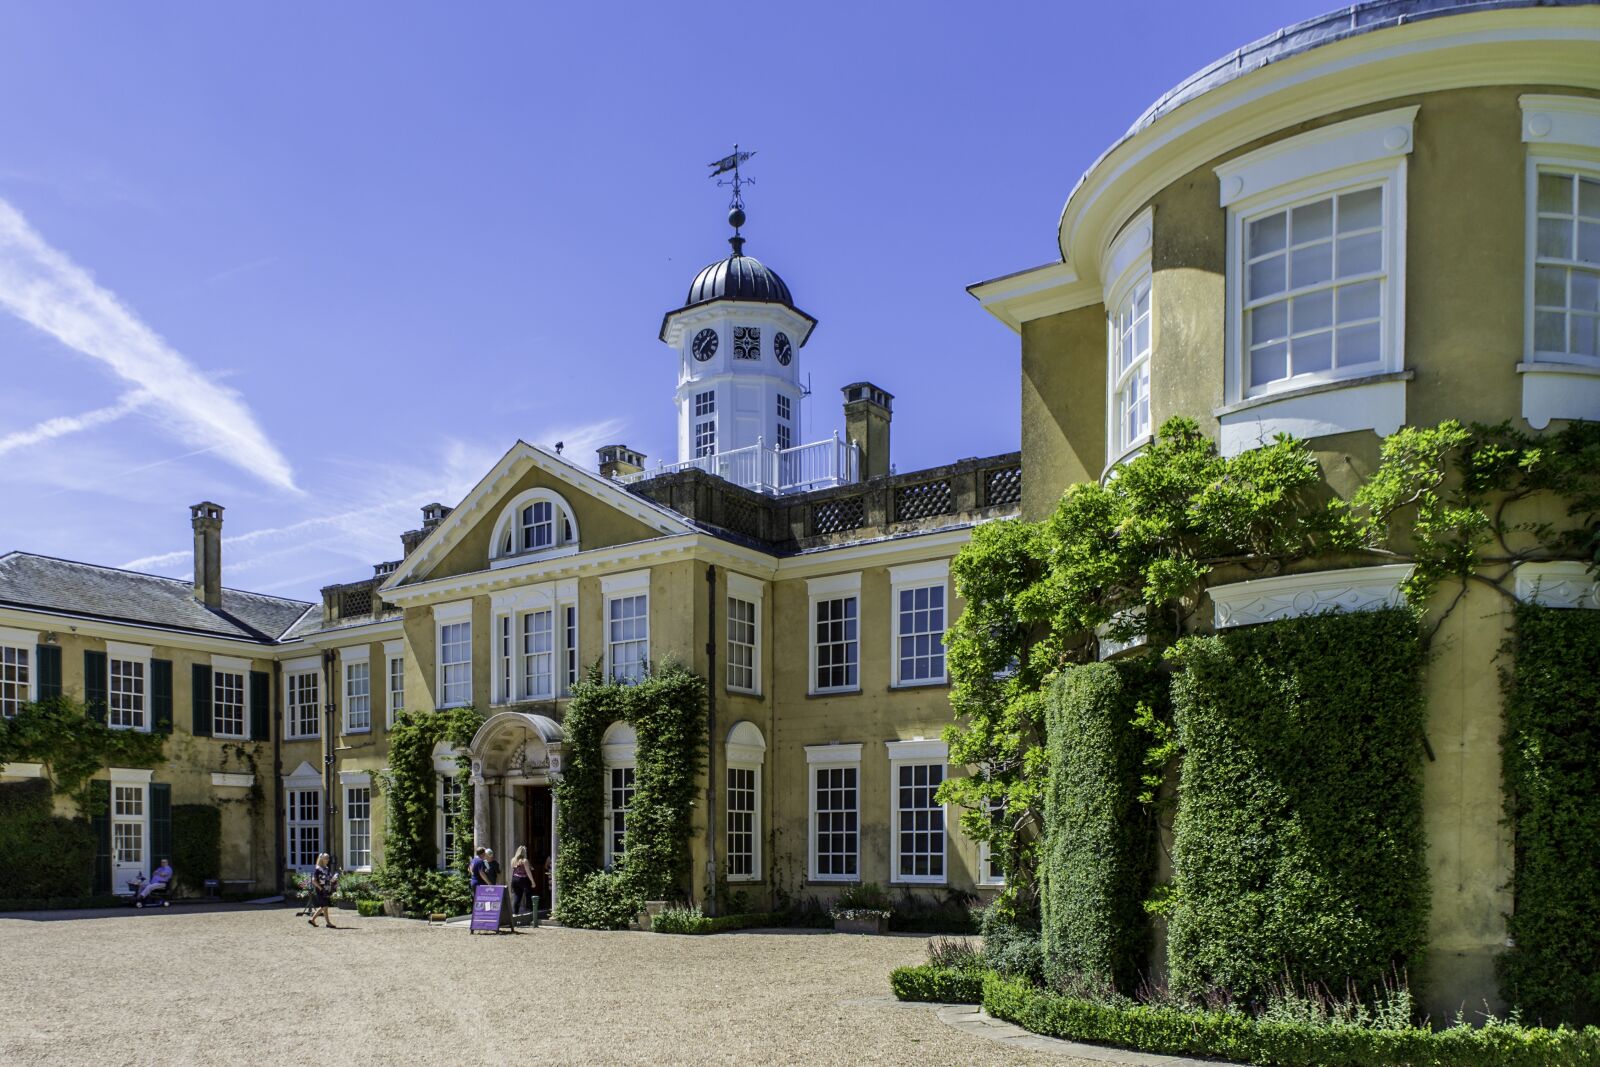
[1298,840]
[937,985]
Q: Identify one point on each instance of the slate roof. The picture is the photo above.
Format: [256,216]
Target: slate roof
[67,587]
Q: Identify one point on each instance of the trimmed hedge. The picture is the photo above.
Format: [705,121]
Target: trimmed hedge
[1237,1036]
[1099,849]
[196,844]
[1298,844]
[1551,765]
[937,985]
[692,921]
[47,857]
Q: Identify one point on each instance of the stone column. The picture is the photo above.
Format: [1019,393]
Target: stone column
[481,824]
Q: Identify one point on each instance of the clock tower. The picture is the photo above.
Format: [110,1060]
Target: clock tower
[737,337]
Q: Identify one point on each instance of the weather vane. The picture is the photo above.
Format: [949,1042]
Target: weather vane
[730,164]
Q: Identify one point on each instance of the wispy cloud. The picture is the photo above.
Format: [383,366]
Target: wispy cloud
[63,425]
[254,264]
[44,288]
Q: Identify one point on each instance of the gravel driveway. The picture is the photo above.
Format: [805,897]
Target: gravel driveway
[251,986]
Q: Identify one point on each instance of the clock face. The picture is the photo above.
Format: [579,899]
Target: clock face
[782,348]
[705,344]
[747,342]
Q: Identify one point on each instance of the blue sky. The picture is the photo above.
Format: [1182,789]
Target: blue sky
[324,263]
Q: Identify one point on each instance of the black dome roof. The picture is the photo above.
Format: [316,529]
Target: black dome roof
[739,277]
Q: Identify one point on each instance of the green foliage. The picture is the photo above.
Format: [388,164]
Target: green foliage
[409,786]
[863,896]
[937,985]
[1234,1035]
[1011,947]
[60,734]
[369,908]
[1100,840]
[667,712]
[47,856]
[682,920]
[196,844]
[1298,843]
[356,886]
[949,912]
[1551,754]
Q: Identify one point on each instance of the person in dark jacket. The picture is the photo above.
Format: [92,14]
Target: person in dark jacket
[323,881]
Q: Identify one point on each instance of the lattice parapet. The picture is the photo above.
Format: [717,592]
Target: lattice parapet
[1002,485]
[923,500]
[838,515]
[357,601]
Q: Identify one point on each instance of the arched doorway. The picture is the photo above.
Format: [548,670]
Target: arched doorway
[516,758]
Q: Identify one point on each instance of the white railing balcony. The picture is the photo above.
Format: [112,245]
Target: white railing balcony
[819,465]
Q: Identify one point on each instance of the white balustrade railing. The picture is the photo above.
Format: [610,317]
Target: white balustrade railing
[818,465]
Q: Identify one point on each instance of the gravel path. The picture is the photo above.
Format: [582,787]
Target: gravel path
[251,986]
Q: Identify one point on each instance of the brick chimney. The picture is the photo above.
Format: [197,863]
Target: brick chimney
[433,515]
[619,459]
[867,411]
[206,518]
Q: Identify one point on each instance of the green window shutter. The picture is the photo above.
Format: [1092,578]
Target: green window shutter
[260,706]
[202,700]
[95,684]
[161,696]
[100,820]
[47,661]
[160,823]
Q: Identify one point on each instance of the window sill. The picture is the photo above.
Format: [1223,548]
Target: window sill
[533,557]
[363,730]
[292,738]
[733,691]
[744,879]
[844,879]
[1376,402]
[931,683]
[913,882]
[126,729]
[1132,451]
[1553,390]
[823,694]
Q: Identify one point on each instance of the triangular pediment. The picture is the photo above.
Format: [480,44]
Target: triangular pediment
[603,514]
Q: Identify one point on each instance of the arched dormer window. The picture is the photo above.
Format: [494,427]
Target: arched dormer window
[537,523]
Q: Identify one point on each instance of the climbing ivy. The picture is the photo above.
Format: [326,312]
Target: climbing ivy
[59,733]
[409,872]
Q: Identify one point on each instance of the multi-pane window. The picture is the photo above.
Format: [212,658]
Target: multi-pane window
[1130,367]
[785,436]
[836,644]
[455,663]
[742,827]
[358,826]
[837,821]
[919,822]
[397,687]
[1313,289]
[705,437]
[16,678]
[450,786]
[920,627]
[503,646]
[619,797]
[705,404]
[538,525]
[784,409]
[741,644]
[300,691]
[538,655]
[305,827]
[357,697]
[569,646]
[1566,279]
[125,699]
[227,704]
[785,417]
[127,824]
[628,636]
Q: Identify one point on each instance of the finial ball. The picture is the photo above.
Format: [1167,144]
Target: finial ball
[736,217]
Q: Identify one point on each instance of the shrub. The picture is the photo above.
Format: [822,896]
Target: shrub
[196,844]
[690,920]
[369,908]
[1298,842]
[1011,947]
[356,886]
[861,900]
[955,953]
[1235,1035]
[605,900]
[1099,849]
[1551,765]
[46,855]
[948,913]
[424,892]
[939,985]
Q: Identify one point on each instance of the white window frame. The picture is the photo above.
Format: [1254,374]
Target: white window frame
[137,781]
[614,588]
[304,780]
[293,670]
[705,438]
[394,661]
[750,591]
[830,757]
[130,655]
[917,753]
[353,662]
[746,750]
[571,661]
[566,537]
[1339,158]
[909,578]
[453,783]
[1563,135]
[529,655]
[818,590]
[22,644]
[221,665]
[350,782]
[1127,270]
[986,875]
[444,616]
[618,754]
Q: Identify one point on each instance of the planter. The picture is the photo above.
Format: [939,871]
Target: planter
[393,908]
[652,908]
[861,923]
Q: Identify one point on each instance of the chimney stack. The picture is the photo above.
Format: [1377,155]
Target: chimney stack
[619,459]
[206,518]
[433,515]
[867,411]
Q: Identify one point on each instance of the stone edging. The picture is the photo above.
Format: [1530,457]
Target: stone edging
[972,1019]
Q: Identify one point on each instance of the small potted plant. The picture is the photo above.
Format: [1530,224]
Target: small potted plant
[861,909]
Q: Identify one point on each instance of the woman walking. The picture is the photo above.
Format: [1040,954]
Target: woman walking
[322,883]
[521,881]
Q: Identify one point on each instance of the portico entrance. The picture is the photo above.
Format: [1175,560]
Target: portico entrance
[516,756]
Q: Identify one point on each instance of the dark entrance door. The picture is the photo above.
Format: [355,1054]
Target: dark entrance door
[536,832]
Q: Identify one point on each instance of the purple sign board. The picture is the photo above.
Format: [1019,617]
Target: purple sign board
[489,909]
